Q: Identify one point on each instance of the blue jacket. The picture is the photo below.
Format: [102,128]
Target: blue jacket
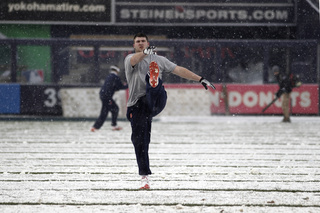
[111,85]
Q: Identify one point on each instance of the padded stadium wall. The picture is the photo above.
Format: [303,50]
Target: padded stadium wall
[85,102]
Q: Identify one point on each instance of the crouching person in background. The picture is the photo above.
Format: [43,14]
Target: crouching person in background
[111,85]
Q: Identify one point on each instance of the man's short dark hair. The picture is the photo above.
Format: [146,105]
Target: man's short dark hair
[140,35]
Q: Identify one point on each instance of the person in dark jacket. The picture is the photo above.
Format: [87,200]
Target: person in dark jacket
[111,85]
[285,88]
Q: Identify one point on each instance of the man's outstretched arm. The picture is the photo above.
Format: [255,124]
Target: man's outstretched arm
[187,74]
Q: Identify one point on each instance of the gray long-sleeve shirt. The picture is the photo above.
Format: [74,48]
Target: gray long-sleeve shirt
[136,75]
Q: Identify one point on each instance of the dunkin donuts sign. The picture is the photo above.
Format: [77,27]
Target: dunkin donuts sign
[251,99]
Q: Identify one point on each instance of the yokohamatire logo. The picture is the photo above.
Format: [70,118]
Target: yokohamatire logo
[49,7]
[56,11]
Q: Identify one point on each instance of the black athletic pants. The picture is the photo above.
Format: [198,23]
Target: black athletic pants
[140,116]
[107,105]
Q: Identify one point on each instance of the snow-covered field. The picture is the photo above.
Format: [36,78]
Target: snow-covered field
[204,164]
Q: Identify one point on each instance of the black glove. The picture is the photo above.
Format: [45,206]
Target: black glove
[151,50]
[206,83]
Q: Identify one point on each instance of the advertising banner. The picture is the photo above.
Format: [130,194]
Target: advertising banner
[150,12]
[251,99]
[55,11]
[206,13]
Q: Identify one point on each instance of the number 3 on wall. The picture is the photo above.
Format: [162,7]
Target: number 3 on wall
[52,99]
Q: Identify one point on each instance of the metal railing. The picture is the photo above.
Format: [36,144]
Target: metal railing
[71,61]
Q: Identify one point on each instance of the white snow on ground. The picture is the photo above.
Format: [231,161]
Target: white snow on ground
[199,164]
